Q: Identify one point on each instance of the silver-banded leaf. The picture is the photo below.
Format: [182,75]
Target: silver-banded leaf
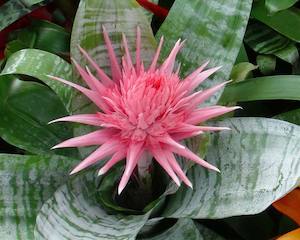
[289,54]
[25,109]
[214,31]
[38,64]
[12,10]
[186,229]
[25,183]
[74,213]
[259,161]
[264,40]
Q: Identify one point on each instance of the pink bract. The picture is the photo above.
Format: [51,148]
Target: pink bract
[143,111]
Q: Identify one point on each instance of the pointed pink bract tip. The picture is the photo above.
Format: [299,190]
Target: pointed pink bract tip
[215,169]
[74,171]
[54,147]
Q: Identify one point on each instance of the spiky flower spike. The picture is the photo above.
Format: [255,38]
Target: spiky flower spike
[143,111]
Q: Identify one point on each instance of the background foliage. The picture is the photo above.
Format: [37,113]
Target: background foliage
[257,43]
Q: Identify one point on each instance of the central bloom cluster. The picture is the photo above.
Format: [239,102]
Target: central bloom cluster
[143,111]
[145,106]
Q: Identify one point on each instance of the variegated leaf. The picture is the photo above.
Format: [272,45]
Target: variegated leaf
[259,162]
[38,64]
[25,183]
[75,213]
[214,31]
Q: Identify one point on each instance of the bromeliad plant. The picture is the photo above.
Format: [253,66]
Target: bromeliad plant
[140,103]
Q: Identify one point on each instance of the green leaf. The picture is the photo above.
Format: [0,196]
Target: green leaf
[264,40]
[74,213]
[292,116]
[14,9]
[242,55]
[214,31]
[41,35]
[283,22]
[25,109]
[37,63]
[186,229]
[263,88]
[259,163]
[26,182]
[289,54]
[241,71]
[275,5]
[266,63]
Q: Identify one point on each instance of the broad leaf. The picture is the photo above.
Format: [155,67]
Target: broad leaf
[186,229]
[26,182]
[74,213]
[275,5]
[292,116]
[14,9]
[283,22]
[38,64]
[263,88]
[41,35]
[264,40]
[259,163]
[25,109]
[214,31]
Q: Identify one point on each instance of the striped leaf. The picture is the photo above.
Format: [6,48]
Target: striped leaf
[214,31]
[186,229]
[25,110]
[12,10]
[259,162]
[283,22]
[264,40]
[26,182]
[37,63]
[74,213]
[263,88]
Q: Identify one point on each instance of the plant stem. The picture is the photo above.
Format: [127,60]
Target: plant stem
[144,172]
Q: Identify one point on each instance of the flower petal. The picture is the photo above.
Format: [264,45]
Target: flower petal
[105,150]
[89,119]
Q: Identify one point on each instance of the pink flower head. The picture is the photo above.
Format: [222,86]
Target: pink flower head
[143,111]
